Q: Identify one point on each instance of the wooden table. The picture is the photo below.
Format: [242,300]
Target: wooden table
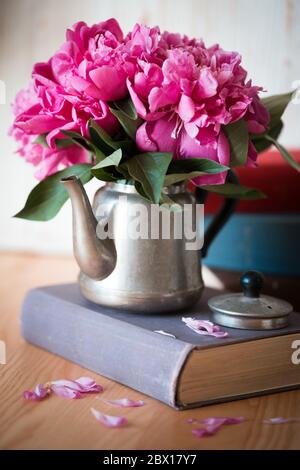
[58,423]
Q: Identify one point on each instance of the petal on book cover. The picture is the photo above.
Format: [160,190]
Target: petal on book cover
[204,327]
[109,421]
[125,403]
[165,333]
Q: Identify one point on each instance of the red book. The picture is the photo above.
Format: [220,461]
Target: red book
[274,177]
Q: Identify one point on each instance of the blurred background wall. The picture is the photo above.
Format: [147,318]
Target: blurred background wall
[265,32]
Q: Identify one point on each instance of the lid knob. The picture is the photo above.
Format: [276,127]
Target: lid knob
[252,282]
[248,309]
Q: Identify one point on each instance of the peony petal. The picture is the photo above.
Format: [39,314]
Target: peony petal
[204,327]
[89,385]
[164,96]
[111,83]
[64,388]
[206,86]
[138,104]
[165,333]
[109,421]
[212,421]
[213,425]
[39,124]
[75,388]
[280,420]
[226,420]
[223,157]
[65,392]
[156,135]
[186,108]
[125,403]
[41,391]
[143,139]
[203,432]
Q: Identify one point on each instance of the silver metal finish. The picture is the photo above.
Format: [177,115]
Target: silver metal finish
[249,310]
[145,275]
[96,259]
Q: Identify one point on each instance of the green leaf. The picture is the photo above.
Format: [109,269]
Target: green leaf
[64,143]
[139,187]
[182,170]
[105,142]
[179,177]
[41,139]
[276,105]
[97,153]
[112,160]
[47,198]
[196,164]
[72,134]
[238,137]
[127,107]
[149,169]
[284,153]
[103,175]
[101,139]
[129,125]
[77,139]
[261,143]
[234,191]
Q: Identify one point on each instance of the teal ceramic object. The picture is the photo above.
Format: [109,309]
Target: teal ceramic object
[266,242]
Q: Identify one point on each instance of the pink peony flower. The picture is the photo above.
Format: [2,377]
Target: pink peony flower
[184,91]
[199,91]
[67,91]
[169,135]
[27,128]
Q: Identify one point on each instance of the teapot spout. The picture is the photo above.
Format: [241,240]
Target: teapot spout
[96,258]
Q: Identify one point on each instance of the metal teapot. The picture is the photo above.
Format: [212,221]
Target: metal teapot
[143,275]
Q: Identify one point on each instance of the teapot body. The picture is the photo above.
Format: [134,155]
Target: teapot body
[156,270]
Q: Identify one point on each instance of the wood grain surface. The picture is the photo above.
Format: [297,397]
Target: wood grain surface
[57,423]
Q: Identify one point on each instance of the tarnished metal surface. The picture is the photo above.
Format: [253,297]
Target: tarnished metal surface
[149,275]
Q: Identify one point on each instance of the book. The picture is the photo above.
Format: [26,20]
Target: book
[280,176]
[183,370]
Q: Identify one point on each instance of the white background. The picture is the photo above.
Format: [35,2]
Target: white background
[266,32]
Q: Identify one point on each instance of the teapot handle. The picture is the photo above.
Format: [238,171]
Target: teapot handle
[221,217]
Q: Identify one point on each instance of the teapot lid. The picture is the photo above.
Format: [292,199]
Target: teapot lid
[249,309]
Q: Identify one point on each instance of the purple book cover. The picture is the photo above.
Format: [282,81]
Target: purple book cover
[121,345]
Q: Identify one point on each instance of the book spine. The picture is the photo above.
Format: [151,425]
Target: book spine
[146,361]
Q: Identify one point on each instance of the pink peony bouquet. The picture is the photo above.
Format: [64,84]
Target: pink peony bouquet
[148,108]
